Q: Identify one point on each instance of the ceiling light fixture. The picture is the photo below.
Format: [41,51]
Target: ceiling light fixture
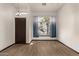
[21,13]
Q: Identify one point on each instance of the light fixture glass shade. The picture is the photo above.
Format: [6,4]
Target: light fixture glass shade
[21,13]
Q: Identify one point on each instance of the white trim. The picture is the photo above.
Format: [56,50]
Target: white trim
[43,38]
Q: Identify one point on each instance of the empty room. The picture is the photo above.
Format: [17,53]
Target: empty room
[39,29]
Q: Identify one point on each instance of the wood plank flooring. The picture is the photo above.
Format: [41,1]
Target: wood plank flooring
[39,48]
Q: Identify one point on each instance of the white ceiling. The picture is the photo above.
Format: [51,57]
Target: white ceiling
[22,6]
[37,7]
[50,7]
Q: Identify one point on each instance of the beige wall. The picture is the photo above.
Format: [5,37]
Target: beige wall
[44,13]
[7,26]
[68,25]
[29,28]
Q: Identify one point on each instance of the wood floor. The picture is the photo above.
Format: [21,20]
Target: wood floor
[39,48]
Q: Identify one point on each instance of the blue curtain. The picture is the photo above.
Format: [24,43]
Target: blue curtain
[53,30]
[35,29]
[53,27]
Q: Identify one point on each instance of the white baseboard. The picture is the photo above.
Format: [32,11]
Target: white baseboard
[43,38]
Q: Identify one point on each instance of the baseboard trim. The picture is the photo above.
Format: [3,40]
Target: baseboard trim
[7,47]
[44,40]
[68,47]
[27,43]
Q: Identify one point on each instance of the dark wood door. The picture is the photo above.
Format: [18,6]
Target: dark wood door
[20,30]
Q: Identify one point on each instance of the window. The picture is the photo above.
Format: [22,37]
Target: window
[43,24]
